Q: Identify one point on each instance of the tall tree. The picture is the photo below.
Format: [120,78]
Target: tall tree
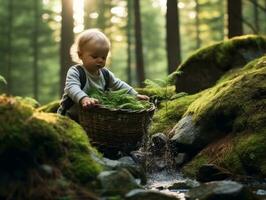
[197,24]
[67,38]
[138,49]
[35,50]
[172,35]
[234,9]
[101,20]
[256,16]
[129,44]
[9,46]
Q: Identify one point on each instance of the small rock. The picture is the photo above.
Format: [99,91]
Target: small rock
[186,184]
[117,182]
[159,140]
[180,159]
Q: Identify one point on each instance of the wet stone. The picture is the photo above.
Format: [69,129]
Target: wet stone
[140,194]
[222,190]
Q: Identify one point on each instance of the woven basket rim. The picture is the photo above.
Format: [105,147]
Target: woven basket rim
[102,107]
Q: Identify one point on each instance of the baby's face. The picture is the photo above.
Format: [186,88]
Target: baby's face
[93,56]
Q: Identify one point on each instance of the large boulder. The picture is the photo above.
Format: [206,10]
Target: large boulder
[231,118]
[235,104]
[37,148]
[207,65]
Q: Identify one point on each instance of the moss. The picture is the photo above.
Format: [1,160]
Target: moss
[241,155]
[207,65]
[13,116]
[50,107]
[192,167]
[225,106]
[235,106]
[222,53]
[82,167]
[28,101]
[170,113]
[251,150]
[30,139]
[69,143]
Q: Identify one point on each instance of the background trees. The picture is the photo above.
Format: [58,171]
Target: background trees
[33,32]
[67,39]
[173,35]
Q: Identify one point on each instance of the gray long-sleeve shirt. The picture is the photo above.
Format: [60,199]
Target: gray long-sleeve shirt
[74,91]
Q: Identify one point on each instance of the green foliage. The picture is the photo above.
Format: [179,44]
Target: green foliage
[164,92]
[119,99]
[163,82]
[50,107]
[17,34]
[161,88]
[191,168]
[3,80]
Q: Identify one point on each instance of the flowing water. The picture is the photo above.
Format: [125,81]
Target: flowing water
[164,178]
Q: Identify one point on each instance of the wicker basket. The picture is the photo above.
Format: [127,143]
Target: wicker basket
[116,129]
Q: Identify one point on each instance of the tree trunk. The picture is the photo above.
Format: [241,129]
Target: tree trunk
[101,20]
[67,38]
[234,9]
[9,46]
[222,6]
[198,42]
[129,28]
[172,35]
[138,39]
[35,50]
[256,16]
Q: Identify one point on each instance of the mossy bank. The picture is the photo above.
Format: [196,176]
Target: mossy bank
[42,147]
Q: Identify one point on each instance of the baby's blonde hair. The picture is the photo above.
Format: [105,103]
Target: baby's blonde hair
[89,35]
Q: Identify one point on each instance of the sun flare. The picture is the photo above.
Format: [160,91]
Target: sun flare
[78,7]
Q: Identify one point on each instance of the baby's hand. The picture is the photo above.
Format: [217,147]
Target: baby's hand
[87,102]
[143,97]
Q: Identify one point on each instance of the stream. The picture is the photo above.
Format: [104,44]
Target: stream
[163,180]
[169,180]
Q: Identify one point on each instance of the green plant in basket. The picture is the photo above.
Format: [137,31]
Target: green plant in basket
[119,99]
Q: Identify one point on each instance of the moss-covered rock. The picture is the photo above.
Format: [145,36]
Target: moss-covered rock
[234,104]
[207,65]
[31,139]
[234,107]
[170,112]
[50,107]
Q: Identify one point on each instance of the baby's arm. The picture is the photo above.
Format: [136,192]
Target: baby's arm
[87,102]
[117,84]
[73,86]
[143,97]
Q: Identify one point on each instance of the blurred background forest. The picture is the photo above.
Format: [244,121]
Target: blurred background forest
[149,37]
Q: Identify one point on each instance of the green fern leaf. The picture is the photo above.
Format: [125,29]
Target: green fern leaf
[2,79]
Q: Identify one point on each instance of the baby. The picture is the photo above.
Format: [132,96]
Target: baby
[92,48]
